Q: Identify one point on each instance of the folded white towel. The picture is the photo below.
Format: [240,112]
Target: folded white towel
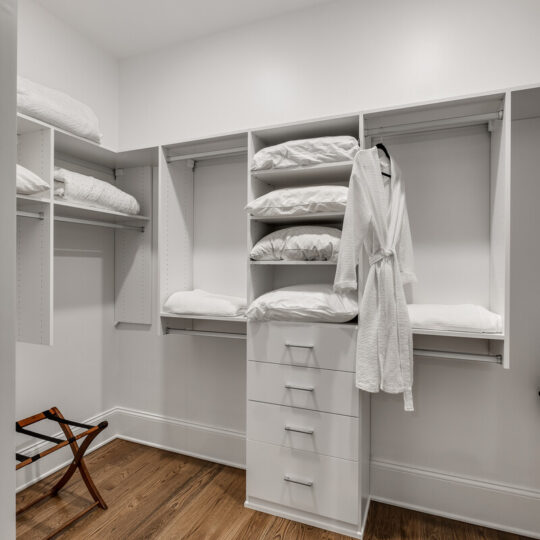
[93,192]
[199,302]
[57,108]
[454,318]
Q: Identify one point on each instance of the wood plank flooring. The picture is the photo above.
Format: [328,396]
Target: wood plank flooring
[154,494]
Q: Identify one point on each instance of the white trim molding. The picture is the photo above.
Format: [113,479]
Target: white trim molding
[184,437]
[496,505]
[175,435]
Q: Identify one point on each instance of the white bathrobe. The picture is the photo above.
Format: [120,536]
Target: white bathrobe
[376,219]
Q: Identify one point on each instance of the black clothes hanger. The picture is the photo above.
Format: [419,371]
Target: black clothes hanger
[381,146]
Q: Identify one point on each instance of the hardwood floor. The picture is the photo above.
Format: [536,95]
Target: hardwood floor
[154,494]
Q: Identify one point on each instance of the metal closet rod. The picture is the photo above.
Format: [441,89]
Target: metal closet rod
[209,155]
[413,127]
[205,333]
[33,215]
[81,221]
[490,358]
[40,215]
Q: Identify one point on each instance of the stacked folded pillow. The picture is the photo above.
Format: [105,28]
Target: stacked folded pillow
[28,182]
[306,152]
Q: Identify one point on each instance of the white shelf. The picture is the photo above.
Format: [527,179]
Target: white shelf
[203,317]
[325,173]
[321,217]
[293,263]
[448,333]
[74,210]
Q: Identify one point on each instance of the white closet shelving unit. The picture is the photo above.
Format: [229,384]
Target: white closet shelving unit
[308,427]
[455,161]
[266,276]
[40,148]
[202,194]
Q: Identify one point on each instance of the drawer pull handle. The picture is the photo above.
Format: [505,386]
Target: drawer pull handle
[307,431]
[299,346]
[305,388]
[307,483]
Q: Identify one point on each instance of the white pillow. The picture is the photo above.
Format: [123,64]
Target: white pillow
[199,302]
[309,303]
[28,182]
[57,108]
[306,152]
[454,318]
[300,201]
[304,243]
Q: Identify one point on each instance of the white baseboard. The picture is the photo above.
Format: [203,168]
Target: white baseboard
[222,446]
[499,506]
[494,505]
[219,445]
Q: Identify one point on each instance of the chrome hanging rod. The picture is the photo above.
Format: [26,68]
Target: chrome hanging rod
[229,335]
[99,223]
[490,358]
[416,127]
[209,155]
[33,215]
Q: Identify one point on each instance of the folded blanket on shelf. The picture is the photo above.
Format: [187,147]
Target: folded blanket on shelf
[302,243]
[300,201]
[454,318]
[315,302]
[57,108]
[90,191]
[200,303]
[28,182]
[305,152]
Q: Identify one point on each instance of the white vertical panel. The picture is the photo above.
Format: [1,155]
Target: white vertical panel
[8,73]
[500,220]
[34,273]
[175,234]
[35,152]
[35,245]
[133,253]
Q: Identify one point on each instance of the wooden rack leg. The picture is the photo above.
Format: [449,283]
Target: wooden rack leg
[78,463]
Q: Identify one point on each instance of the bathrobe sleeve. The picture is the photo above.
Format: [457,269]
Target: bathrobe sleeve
[355,228]
[405,251]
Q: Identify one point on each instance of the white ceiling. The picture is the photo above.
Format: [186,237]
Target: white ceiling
[131,27]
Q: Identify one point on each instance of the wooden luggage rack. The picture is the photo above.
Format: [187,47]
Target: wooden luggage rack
[89,434]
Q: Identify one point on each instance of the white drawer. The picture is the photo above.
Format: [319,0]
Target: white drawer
[328,346]
[318,484]
[308,388]
[313,431]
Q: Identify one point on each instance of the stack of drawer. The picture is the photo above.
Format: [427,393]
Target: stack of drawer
[305,423]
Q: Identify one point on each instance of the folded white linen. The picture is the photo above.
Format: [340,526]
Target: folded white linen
[308,302]
[90,191]
[302,243]
[454,318]
[300,201]
[57,108]
[199,302]
[28,182]
[305,152]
